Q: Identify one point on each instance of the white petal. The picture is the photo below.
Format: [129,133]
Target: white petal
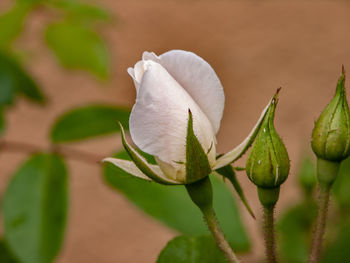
[158,121]
[237,152]
[198,78]
[127,166]
[150,56]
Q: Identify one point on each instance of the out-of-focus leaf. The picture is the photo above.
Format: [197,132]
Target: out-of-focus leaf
[11,24]
[2,122]
[5,255]
[173,206]
[185,249]
[35,209]
[294,232]
[12,73]
[78,47]
[7,87]
[89,121]
[338,251]
[78,10]
[307,175]
[341,187]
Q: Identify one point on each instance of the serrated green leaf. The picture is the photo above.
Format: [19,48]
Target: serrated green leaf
[89,121]
[78,47]
[172,205]
[11,24]
[185,249]
[19,80]
[35,209]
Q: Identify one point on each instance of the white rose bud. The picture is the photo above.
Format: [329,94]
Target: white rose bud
[176,116]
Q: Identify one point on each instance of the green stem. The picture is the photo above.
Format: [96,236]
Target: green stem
[268,198]
[269,234]
[201,194]
[213,225]
[327,172]
[323,200]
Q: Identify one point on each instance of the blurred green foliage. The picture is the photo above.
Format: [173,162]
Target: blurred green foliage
[78,47]
[199,249]
[11,24]
[80,11]
[35,205]
[14,80]
[295,226]
[5,254]
[89,121]
[35,209]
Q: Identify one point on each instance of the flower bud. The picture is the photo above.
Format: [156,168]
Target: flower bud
[331,134]
[268,162]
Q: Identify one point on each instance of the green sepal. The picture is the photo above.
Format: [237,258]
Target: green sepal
[240,150]
[142,164]
[228,172]
[197,163]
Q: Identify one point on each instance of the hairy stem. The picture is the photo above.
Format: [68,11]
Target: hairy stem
[323,200]
[21,147]
[213,225]
[269,234]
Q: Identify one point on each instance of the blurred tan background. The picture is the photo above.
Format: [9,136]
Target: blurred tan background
[254,46]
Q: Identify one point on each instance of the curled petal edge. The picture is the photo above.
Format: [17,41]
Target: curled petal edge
[153,172]
[237,152]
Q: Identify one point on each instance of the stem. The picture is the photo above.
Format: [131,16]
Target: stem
[13,146]
[269,234]
[201,193]
[213,225]
[327,172]
[323,200]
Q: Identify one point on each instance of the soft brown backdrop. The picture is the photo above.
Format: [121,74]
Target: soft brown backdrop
[254,46]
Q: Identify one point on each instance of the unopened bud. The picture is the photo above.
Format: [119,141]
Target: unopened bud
[268,162]
[331,134]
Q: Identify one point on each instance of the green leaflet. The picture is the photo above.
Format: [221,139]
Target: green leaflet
[88,121]
[78,47]
[35,209]
[14,79]
[186,249]
[11,24]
